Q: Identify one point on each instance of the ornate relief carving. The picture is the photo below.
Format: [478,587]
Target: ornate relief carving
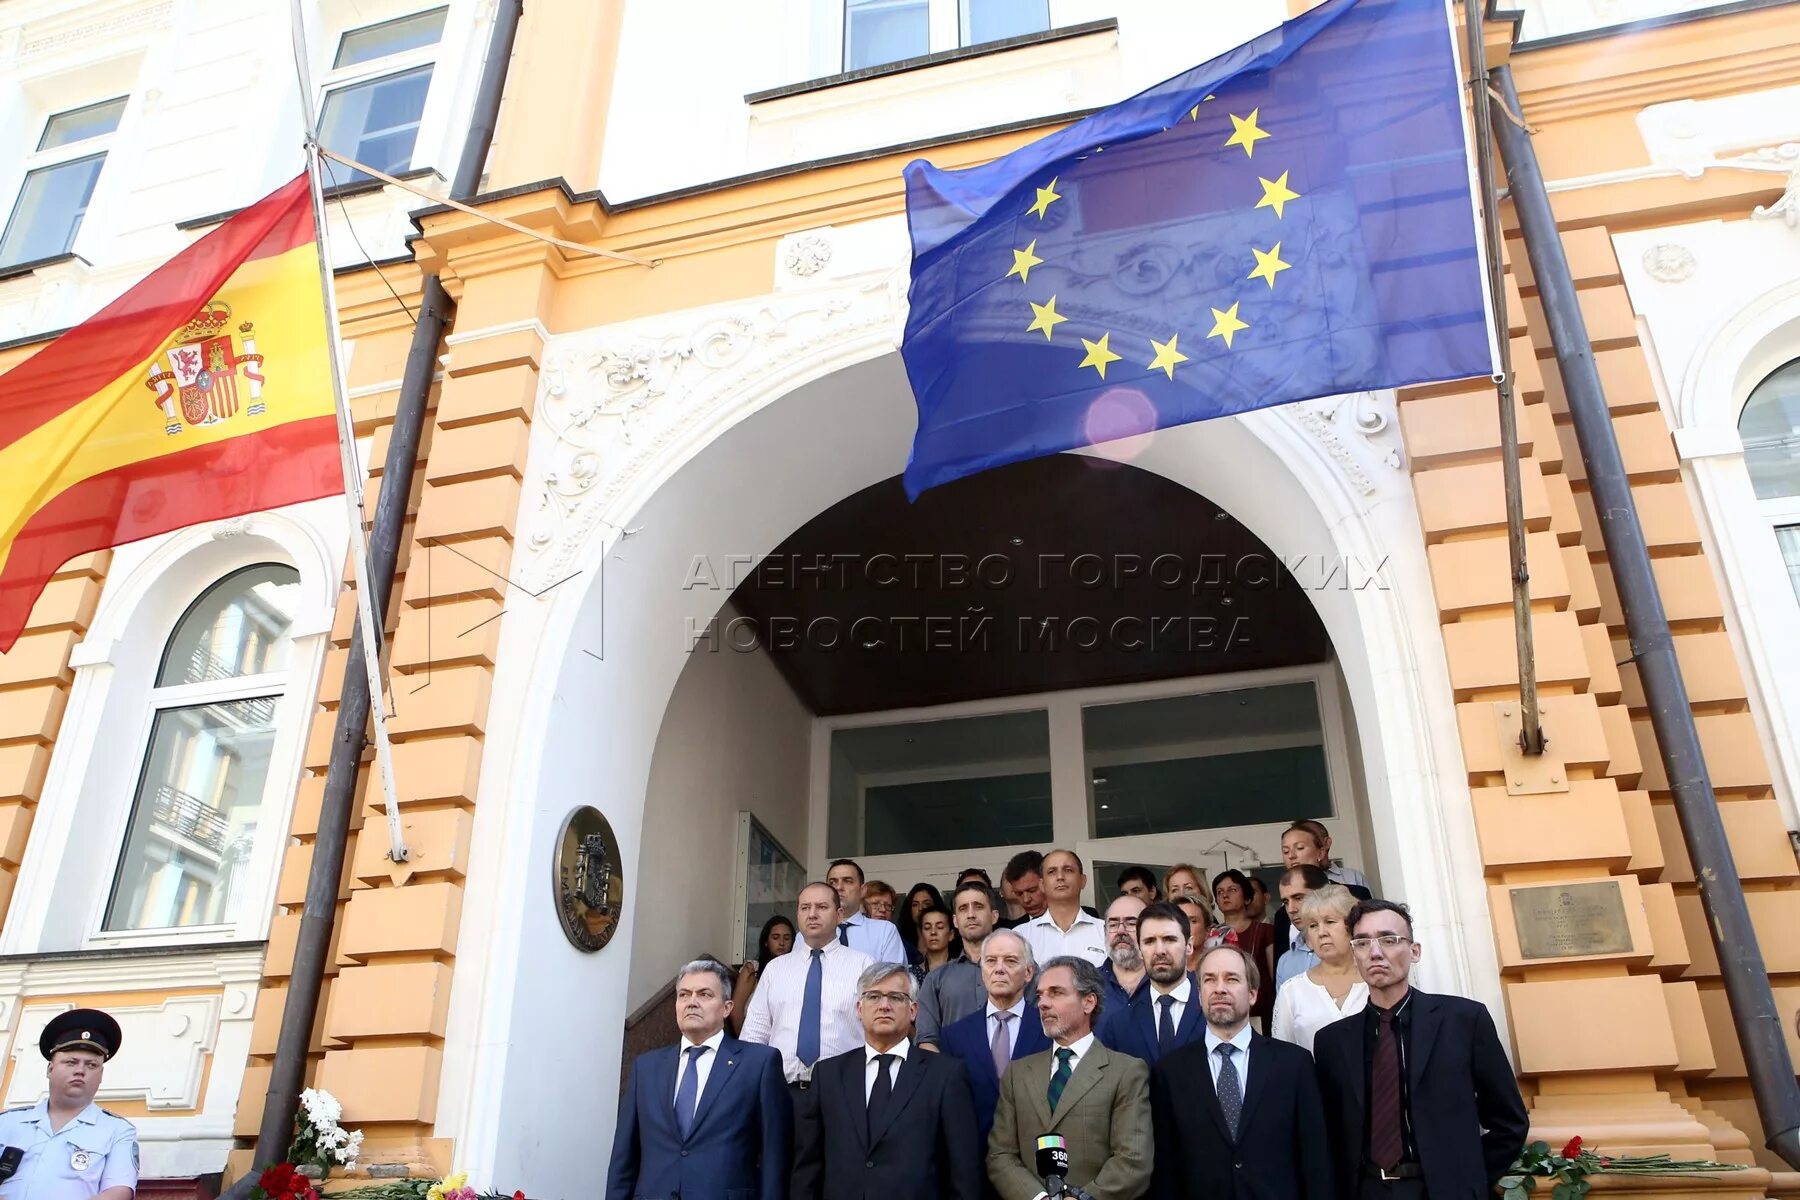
[808,254]
[167,1043]
[1670,262]
[1355,432]
[1775,160]
[617,401]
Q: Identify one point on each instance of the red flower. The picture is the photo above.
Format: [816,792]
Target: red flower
[278,1180]
[308,1194]
[518,1196]
[1606,1162]
[1573,1149]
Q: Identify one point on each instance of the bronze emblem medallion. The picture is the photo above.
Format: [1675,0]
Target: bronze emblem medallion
[589,882]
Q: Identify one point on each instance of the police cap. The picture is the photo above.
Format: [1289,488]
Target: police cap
[81,1028]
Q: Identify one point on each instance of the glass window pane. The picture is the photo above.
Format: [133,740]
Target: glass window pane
[193,824]
[941,785]
[390,37]
[1248,757]
[237,627]
[80,124]
[376,123]
[885,31]
[992,20]
[1770,427]
[52,202]
[1788,538]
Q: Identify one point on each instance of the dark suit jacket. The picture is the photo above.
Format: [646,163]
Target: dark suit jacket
[923,1148]
[1104,1113]
[1280,1151]
[1468,1122]
[967,1039]
[738,1146]
[1132,1029]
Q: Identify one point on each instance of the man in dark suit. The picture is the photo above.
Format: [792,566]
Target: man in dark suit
[1006,1028]
[1237,1115]
[707,1118]
[1168,1014]
[1419,1096]
[892,1120]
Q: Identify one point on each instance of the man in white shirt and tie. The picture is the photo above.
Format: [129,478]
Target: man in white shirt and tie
[805,1003]
[880,940]
[1065,927]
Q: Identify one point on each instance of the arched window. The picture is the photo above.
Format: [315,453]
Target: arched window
[211,727]
[1770,428]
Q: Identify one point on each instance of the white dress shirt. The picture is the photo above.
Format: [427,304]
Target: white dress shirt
[1241,1060]
[880,940]
[1012,1026]
[703,1064]
[1084,938]
[1183,993]
[1303,1007]
[872,1068]
[774,1016]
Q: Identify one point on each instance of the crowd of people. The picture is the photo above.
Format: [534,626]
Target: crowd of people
[1012,1043]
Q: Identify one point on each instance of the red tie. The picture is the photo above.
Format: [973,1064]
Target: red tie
[1386,1144]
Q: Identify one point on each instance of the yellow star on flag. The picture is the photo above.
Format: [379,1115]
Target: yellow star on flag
[1166,356]
[1194,112]
[1046,196]
[1226,323]
[1245,133]
[1098,354]
[1275,193]
[1044,317]
[1023,261]
[1268,263]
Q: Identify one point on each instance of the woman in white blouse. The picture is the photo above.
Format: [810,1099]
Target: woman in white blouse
[1330,991]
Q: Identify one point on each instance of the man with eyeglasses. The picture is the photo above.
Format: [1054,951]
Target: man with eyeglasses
[1419,1097]
[1123,969]
[891,1120]
[1168,1015]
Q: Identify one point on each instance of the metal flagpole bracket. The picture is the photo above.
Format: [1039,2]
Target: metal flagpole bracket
[1526,774]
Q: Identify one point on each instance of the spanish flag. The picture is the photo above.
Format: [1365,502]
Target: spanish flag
[203,392]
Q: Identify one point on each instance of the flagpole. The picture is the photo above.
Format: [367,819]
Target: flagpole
[353,474]
[1531,730]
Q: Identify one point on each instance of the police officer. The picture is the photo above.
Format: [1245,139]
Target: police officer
[72,1149]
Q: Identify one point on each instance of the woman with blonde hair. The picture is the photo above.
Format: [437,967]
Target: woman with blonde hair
[1330,991]
[1185,879]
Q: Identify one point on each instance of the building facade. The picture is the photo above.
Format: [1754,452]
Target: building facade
[631,475]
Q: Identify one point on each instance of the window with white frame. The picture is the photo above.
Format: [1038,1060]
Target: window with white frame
[58,182]
[205,770]
[375,94]
[1770,428]
[885,31]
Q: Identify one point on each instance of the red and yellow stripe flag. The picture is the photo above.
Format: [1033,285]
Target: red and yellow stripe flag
[203,392]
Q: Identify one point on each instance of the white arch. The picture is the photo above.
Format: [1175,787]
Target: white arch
[1763,613]
[746,458]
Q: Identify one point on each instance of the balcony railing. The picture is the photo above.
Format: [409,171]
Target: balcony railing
[190,816]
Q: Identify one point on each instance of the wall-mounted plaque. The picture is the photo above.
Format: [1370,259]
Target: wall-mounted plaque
[589,882]
[1569,920]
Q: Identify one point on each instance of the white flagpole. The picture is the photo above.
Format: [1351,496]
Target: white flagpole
[353,475]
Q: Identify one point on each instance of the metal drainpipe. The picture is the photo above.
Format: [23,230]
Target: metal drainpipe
[319,915]
[1753,1011]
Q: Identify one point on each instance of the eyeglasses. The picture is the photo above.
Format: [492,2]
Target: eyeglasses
[1387,941]
[1121,922]
[894,998]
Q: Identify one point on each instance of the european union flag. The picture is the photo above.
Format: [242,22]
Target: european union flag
[1289,220]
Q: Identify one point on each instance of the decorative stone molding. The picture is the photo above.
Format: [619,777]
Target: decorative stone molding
[1670,262]
[1355,431]
[615,402]
[1777,160]
[48,37]
[807,254]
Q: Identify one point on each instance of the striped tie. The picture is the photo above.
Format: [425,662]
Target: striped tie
[1065,1059]
[1386,1142]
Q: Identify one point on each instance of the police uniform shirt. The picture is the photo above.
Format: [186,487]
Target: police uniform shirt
[93,1151]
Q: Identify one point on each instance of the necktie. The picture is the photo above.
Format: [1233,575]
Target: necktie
[687,1096]
[1386,1145]
[1230,1089]
[884,1088]
[1165,1025]
[1065,1067]
[1000,1047]
[806,1046]
[844,934]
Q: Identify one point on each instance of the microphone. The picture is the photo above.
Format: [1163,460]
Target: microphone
[10,1158]
[1053,1164]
